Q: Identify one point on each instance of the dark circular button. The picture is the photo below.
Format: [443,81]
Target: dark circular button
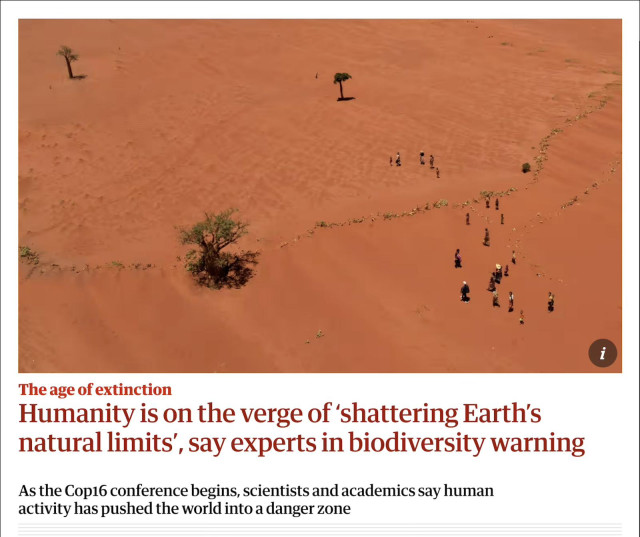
[603,353]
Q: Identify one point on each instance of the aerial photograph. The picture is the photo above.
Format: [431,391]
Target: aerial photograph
[319,196]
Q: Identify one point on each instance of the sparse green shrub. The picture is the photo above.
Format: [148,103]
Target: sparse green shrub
[28,255]
[526,167]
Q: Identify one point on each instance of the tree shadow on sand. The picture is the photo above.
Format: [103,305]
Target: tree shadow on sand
[231,271]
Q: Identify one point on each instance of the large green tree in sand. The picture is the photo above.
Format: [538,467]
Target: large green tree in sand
[209,264]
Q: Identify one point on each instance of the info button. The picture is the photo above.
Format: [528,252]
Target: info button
[603,353]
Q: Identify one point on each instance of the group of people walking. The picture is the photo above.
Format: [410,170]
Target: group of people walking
[398,162]
[496,279]
[496,276]
[498,273]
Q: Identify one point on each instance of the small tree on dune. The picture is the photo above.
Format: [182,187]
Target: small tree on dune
[339,78]
[69,57]
[211,266]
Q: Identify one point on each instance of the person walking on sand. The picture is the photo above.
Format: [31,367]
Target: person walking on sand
[422,158]
[390,161]
[513,257]
[496,304]
[437,173]
[510,301]
[506,271]
[488,202]
[431,159]
[467,218]
[464,292]
[498,273]
[502,219]
[458,259]
[398,163]
[497,204]
[552,302]
[521,316]
[492,284]
[486,237]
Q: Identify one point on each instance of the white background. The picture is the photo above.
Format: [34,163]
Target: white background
[601,487]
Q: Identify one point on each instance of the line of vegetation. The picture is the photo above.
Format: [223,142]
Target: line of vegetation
[497,193]
[542,150]
[569,203]
[545,142]
[385,216]
[613,166]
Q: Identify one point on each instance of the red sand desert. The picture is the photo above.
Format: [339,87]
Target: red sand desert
[175,118]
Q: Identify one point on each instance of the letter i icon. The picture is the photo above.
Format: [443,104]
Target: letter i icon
[602,352]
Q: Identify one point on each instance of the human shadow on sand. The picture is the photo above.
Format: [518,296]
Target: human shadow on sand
[345,98]
[79,77]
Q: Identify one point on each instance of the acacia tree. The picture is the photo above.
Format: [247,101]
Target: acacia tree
[211,266]
[68,56]
[339,78]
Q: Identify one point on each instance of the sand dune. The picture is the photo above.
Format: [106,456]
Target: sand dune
[175,118]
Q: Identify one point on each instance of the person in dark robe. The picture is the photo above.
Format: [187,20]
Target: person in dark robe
[486,237]
[464,292]
[498,273]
